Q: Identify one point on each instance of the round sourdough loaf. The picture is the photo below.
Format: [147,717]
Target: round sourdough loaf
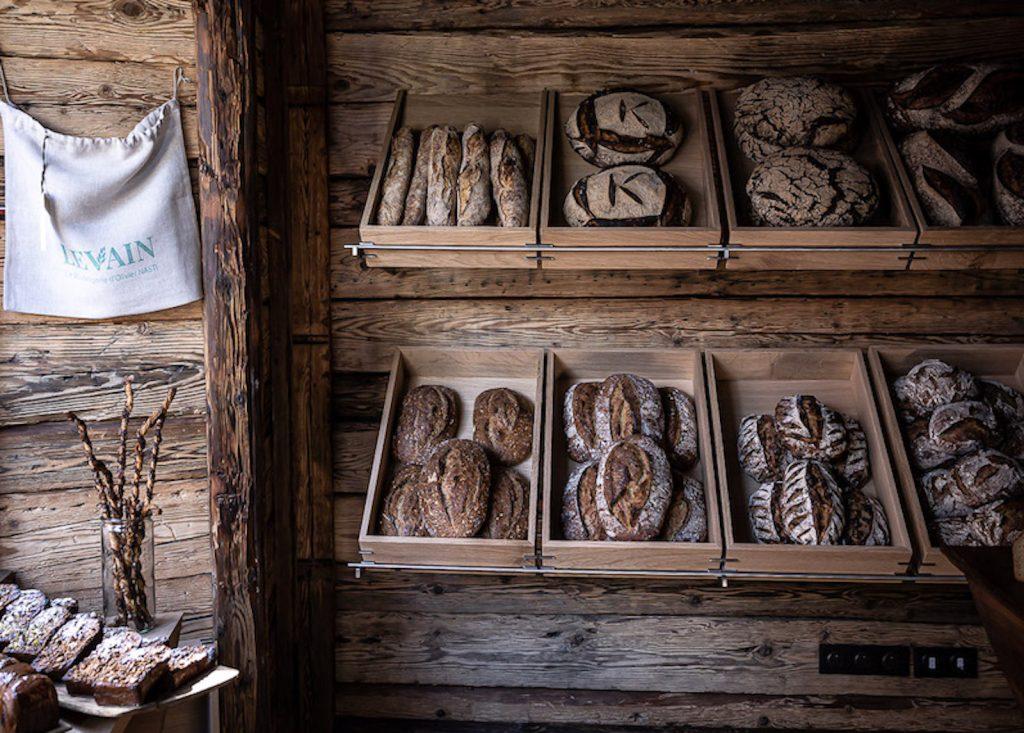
[1008,174]
[627,196]
[797,111]
[1006,402]
[579,505]
[945,176]
[429,415]
[402,514]
[627,405]
[578,417]
[760,450]
[503,423]
[962,427]
[805,187]
[809,429]
[866,523]
[925,453]
[933,383]
[680,427]
[996,525]
[634,488]
[456,489]
[509,517]
[687,519]
[811,505]
[987,476]
[623,126]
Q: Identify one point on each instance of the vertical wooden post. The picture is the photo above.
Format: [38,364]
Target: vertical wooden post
[248,365]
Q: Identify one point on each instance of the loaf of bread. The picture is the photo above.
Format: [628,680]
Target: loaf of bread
[854,465]
[811,505]
[623,126]
[809,429]
[508,181]
[996,525]
[970,99]
[456,489]
[445,161]
[396,178]
[634,488]
[187,663]
[962,427]
[925,453]
[579,505]
[415,210]
[811,187]
[509,515]
[946,179]
[987,476]
[793,112]
[866,523]
[130,678]
[578,416]
[8,593]
[1008,174]
[474,178]
[117,641]
[1012,443]
[28,701]
[503,424]
[765,512]
[30,639]
[528,150]
[760,449]
[626,405]
[429,415]
[70,643]
[687,519]
[1006,402]
[933,383]
[628,196]
[401,514]
[19,613]
[680,427]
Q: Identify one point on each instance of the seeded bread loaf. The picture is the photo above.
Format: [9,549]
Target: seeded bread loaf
[19,613]
[509,514]
[116,641]
[187,663]
[634,488]
[503,424]
[628,196]
[396,178]
[456,489]
[401,514]
[623,126]
[579,505]
[760,449]
[428,416]
[578,416]
[474,178]
[680,427]
[70,643]
[811,505]
[687,519]
[131,677]
[626,405]
[31,638]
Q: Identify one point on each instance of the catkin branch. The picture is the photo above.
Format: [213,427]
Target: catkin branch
[122,437]
[103,480]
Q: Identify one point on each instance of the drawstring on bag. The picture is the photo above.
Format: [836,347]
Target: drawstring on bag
[3,83]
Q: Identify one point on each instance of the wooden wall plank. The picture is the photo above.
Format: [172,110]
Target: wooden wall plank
[348,511]
[126,30]
[367,332]
[353,456]
[355,133]
[370,67]
[47,370]
[373,15]
[695,711]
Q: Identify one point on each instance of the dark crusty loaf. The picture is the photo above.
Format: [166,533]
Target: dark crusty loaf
[508,181]
[765,512]
[809,429]
[28,701]
[623,126]
[760,450]
[474,203]
[962,427]
[19,613]
[116,641]
[628,196]
[416,198]
[925,453]
[627,405]
[995,525]
[579,505]
[946,178]
[396,178]
[811,187]
[1006,402]
[798,111]
[31,638]
[503,424]
[429,415]
[456,489]
[401,515]
[933,383]
[130,678]
[634,488]
[445,160]
[970,99]
[943,495]
[866,523]
[811,505]
[8,593]
[189,662]
[1008,174]
[987,476]
[687,519]
[1012,443]
[509,515]
[854,465]
[69,643]
[578,416]
[528,149]
[680,427]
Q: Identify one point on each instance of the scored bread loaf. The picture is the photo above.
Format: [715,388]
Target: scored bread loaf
[680,427]
[509,515]
[508,181]
[415,210]
[401,514]
[1008,174]
[987,476]
[579,505]
[995,525]
[503,424]
[626,405]
[456,489]
[925,453]
[760,449]
[854,465]
[946,179]
[627,196]
[943,495]
[623,126]
[1006,402]
[962,427]
[474,178]
[578,418]
[687,518]
[528,150]
[765,512]
[396,178]
[445,160]
[811,505]
[634,488]
[809,429]
[933,383]
[866,523]
[429,415]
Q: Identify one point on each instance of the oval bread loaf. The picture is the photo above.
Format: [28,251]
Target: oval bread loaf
[443,177]
[474,178]
[416,199]
[579,505]
[627,196]
[811,505]
[1008,174]
[634,488]
[809,429]
[396,178]
[623,126]
[456,491]
[945,177]
[508,181]
[627,405]
[687,519]
[578,416]
[680,427]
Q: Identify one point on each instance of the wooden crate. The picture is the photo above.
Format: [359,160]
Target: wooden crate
[999,245]
[517,113]
[692,164]
[742,382]
[676,368]
[873,247]
[468,372]
[1002,363]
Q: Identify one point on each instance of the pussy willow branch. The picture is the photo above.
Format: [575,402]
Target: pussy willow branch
[104,481]
[122,437]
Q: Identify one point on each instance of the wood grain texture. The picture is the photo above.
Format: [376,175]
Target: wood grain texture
[370,67]
[570,710]
[373,15]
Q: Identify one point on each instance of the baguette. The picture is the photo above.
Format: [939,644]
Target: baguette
[474,178]
[508,179]
[416,198]
[396,178]
[443,177]
[528,149]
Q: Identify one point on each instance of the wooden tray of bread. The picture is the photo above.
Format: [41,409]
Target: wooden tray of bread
[891,225]
[1003,364]
[575,536]
[690,164]
[416,245]
[460,436]
[805,482]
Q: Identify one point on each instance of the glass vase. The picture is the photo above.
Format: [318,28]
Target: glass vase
[129,588]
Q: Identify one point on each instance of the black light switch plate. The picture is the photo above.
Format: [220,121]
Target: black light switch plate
[864,659]
[956,661]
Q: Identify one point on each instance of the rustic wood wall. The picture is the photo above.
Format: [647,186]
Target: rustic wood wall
[94,67]
[483,653]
